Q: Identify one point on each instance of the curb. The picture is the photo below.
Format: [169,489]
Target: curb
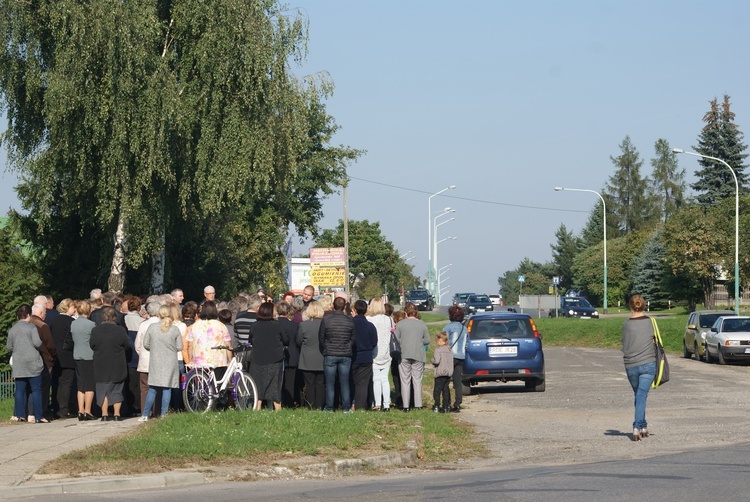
[168,479]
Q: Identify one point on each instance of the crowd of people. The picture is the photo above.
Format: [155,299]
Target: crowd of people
[128,353]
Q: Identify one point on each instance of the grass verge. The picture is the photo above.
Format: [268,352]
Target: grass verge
[188,440]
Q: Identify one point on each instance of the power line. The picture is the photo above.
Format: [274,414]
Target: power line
[495,203]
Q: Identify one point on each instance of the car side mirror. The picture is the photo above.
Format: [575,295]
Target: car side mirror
[715,330]
[691,326]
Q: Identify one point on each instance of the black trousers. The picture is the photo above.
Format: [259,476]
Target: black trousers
[442,387]
[396,377]
[290,391]
[62,386]
[362,377]
[133,392]
[458,373]
[314,395]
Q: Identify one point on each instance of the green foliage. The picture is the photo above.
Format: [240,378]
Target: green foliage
[564,253]
[648,272]
[19,281]
[371,254]
[167,116]
[537,279]
[720,138]
[589,269]
[695,244]
[627,191]
[668,186]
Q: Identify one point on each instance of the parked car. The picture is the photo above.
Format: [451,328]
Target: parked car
[421,298]
[496,300]
[698,325]
[728,339]
[575,306]
[478,303]
[503,347]
[459,299]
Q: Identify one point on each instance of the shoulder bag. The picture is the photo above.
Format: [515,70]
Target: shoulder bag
[662,366]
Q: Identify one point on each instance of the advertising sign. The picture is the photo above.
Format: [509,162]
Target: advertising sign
[327,257]
[327,276]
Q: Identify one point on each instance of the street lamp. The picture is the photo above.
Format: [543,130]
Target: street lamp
[440,278]
[429,233]
[604,227]
[435,254]
[434,265]
[736,224]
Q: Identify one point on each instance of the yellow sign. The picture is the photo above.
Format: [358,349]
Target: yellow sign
[327,276]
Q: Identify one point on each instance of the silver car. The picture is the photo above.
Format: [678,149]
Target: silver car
[729,339]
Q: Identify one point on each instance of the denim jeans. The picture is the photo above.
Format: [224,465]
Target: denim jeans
[331,366]
[151,397]
[35,384]
[640,378]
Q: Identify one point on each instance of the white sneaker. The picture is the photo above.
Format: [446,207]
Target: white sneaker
[143,419]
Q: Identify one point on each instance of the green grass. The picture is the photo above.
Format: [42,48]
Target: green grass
[607,332]
[236,438]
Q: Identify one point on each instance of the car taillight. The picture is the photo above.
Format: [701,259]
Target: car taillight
[483,372]
[533,327]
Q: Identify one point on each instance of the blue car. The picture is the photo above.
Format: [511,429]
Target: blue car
[503,347]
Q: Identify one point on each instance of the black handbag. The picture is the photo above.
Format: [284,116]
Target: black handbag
[394,346]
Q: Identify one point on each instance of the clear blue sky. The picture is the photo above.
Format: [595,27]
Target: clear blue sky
[507,100]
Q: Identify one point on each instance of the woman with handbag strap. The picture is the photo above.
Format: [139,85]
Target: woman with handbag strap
[640,360]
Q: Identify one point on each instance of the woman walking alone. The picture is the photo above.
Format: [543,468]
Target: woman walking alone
[639,356]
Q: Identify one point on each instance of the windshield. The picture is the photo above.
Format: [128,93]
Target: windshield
[576,302]
[419,293]
[479,299]
[735,325]
[501,328]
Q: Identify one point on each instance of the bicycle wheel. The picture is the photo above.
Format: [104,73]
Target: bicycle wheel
[244,391]
[199,393]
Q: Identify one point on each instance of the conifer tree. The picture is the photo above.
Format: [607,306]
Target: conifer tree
[720,138]
[627,191]
[668,187]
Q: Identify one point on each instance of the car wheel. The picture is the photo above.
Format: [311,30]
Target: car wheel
[466,389]
[537,385]
[709,358]
[685,352]
[697,354]
[722,360]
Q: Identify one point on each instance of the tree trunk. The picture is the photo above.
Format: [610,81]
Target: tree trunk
[117,271]
[157,269]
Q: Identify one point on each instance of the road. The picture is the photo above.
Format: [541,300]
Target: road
[571,442]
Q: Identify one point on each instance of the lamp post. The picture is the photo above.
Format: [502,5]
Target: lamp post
[736,224]
[435,253]
[433,265]
[430,272]
[604,228]
[440,279]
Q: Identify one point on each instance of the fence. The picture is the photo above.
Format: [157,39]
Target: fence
[7,386]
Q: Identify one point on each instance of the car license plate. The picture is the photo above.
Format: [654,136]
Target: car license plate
[747,351]
[480,310]
[510,349]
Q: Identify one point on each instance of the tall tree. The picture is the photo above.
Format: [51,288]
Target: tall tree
[627,191]
[537,279]
[649,271]
[720,138]
[668,185]
[564,252]
[133,119]
[696,239]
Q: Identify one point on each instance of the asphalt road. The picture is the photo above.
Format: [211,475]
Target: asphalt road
[571,442]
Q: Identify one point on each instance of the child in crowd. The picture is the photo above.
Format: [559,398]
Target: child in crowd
[443,361]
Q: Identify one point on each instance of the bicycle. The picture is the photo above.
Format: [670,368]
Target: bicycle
[202,391]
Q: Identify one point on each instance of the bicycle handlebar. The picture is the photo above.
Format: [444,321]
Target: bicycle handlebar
[227,347]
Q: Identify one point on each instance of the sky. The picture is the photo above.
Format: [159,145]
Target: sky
[507,100]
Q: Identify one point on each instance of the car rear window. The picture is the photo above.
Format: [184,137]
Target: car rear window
[708,320]
[479,298]
[501,328]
